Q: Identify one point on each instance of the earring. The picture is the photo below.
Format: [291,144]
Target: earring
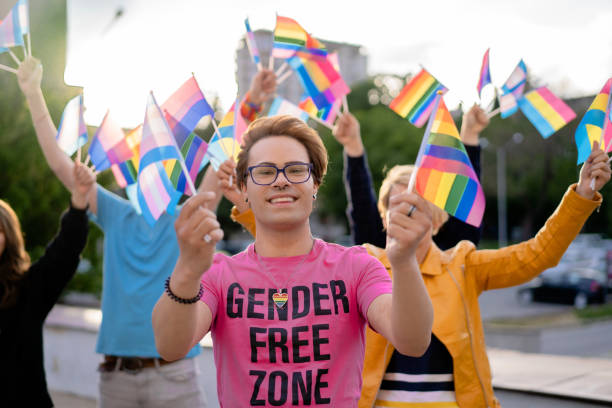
[314,196]
[246,199]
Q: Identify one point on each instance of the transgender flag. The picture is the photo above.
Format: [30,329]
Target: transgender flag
[512,90]
[156,193]
[251,44]
[485,74]
[72,132]
[186,106]
[14,26]
[109,145]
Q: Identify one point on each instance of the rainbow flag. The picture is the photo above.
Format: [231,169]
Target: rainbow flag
[512,90]
[251,44]
[320,79]
[193,150]
[14,26]
[445,175]
[126,173]
[545,111]
[186,106]
[485,74]
[282,106]
[415,101]
[109,145]
[289,37]
[314,46]
[155,191]
[596,124]
[327,114]
[72,132]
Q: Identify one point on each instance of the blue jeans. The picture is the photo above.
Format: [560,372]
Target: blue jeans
[172,385]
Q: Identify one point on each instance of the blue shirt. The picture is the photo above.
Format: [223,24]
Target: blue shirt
[137,260]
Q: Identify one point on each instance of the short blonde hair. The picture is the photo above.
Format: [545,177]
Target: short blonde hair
[400,175]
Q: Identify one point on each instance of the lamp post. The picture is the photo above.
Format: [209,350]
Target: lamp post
[502,216]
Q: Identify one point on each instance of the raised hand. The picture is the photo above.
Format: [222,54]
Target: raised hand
[263,86]
[84,180]
[197,232]
[596,168]
[29,75]
[474,121]
[408,221]
[348,134]
[227,181]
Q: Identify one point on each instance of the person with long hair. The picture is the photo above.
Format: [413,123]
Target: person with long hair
[28,291]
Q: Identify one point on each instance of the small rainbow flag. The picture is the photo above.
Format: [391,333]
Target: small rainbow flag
[109,145]
[193,150]
[187,105]
[156,193]
[72,132]
[126,173]
[445,175]
[321,81]
[415,101]
[512,90]
[289,37]
[485,74]
[596,124]
[251,44]
[545,111]
[327,115]
[14,26]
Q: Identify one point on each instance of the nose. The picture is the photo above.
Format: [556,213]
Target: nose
[281,180]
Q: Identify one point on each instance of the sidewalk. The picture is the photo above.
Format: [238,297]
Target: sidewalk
[561,376]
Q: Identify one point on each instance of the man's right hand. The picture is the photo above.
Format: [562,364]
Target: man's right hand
[347,133]
[29,76]
[197,232]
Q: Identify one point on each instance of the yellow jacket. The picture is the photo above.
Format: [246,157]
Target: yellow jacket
[454,280]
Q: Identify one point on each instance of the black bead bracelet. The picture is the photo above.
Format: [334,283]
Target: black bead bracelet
[180,299]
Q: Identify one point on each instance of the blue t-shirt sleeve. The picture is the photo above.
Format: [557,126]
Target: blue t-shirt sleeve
[111,208]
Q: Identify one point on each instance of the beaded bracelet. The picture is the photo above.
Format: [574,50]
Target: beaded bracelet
[180,299]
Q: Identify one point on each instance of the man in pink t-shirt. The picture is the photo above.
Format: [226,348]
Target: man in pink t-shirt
[288,315]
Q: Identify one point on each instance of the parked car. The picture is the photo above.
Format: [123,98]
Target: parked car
[580,278]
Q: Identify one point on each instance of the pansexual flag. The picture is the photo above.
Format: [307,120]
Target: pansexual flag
[512,90]
[416,99]
[187,105]
[156,193]
[14,26]
[597,118]
[445,175]
[545,111]
[72,132]
[282,106]
[289,37]
[193,150]
[485,74]
[321,81]
[251,44]
[109,145]
[126,173]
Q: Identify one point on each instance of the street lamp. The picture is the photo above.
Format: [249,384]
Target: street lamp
[502,216]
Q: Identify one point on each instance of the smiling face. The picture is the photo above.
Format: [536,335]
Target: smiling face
[282,204]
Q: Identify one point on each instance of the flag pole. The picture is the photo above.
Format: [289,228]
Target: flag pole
[219,133]
[345,104]
[7,68]
[432,117]
[282,69]
[493,113]
[284,77]
[12,54]
[187,176]
[29,47]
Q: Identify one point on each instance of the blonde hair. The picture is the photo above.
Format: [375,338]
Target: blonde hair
[400,175]
[14,260]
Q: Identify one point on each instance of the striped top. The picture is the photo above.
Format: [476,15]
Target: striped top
[419,382]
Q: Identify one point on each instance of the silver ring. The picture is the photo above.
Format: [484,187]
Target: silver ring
[207,238]
[412,209]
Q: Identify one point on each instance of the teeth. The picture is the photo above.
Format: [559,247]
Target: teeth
[282,200]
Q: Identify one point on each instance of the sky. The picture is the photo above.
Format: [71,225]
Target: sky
[157,44]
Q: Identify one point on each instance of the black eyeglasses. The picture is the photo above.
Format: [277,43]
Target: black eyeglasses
[266,174]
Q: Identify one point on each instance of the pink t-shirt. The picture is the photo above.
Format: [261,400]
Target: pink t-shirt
[310,351]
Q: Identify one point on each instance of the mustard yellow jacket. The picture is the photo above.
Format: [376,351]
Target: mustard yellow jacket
[454,279]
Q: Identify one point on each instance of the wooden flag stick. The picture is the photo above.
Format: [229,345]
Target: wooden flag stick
[12,54]
[29,41]
[9,69]
[281,69]
[187,176]
[345,103]
[87,159]
[284,77]
[271,62]
[220,138]
[493,113]
[79,154]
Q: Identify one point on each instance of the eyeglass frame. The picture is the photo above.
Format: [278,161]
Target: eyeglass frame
[278,171]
